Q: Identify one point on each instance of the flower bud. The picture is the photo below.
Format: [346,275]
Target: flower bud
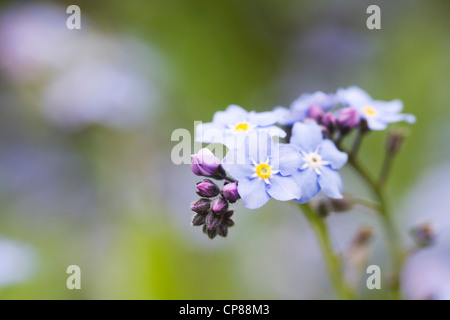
[341,205]
[230,192]
[219,205]
[315,112]
[423,235]
[204,163]
[329,121]
[199,219]
[201,205]
[348,118]
[207,188]
[212,220]
[211,232]
[395,139]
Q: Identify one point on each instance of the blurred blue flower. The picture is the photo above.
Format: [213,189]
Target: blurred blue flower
[299,108]
[378,114]
[262,169]
[320,159]
[77,78]
[426,275]
[233,124]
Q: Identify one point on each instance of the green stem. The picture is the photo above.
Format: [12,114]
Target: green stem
[332,261]
[387,163]
[394,248]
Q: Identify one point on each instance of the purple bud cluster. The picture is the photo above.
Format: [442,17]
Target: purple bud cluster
[343,121]
[212,210]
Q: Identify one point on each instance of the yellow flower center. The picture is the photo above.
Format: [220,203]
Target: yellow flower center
[369,111]
[264,171]
[243,126]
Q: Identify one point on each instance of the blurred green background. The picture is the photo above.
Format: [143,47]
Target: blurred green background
[85,136]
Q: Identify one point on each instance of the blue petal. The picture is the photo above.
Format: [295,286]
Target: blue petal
[283,188]
[234,139]
[308,181]
[260,146]
[262,119]
[329,152]
[274,131]
[283,116]
[237,164]
[209,133]
[290,159]
[353,96]
[391,118]
[330,182]
[376,123]
[253,192]
[319,98]
[389,107]
[307,137]
[233,115]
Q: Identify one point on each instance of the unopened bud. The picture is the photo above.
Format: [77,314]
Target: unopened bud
[201,205]
[207,188]
[199,219]
[423,235]
[230,192]
[219,205]
[329,121]
[363,236]
[395,139]
[204,163]
[348,118]
[315,112]
[212,233]
[341,205]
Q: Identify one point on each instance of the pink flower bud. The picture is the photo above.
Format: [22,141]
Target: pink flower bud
[348,118]
[204,163]
[230,192]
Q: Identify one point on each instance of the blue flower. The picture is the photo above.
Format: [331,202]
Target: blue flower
[299,108]
[378,114]
[263,169]
[320,159]
[233,124]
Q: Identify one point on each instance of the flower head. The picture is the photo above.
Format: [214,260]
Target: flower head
[378,114]
[230,126]
[318,164]
[262,169]
[305,106]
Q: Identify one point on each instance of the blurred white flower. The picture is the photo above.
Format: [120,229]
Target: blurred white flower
[17,262]
[78,76]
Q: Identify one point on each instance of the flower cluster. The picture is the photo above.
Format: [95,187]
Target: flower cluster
[259,165]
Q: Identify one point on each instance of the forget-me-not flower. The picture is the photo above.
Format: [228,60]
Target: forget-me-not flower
[319,162]
[232,125]
[299,108]
[378,114]
[262,169]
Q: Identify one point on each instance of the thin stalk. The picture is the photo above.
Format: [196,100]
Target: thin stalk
[332,261]
[357,142]
[385,169]
[395,251]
